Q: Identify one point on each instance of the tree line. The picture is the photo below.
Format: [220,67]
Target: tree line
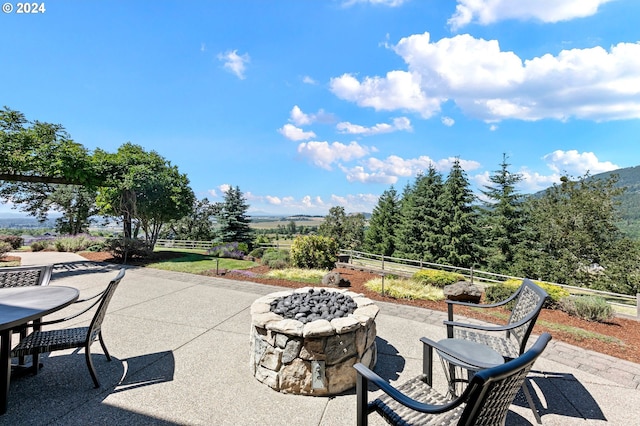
[567,234]
[42,169]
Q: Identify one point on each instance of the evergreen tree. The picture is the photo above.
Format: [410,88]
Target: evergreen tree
[460,220]
[502,219]
[380,236]
[346,230]
[574,230]
[233,219]
[420,230]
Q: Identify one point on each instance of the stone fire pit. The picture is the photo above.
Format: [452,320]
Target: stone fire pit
[309,348]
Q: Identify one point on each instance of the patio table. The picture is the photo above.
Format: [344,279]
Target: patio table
[20,305]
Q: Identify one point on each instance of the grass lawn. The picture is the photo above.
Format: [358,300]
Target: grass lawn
[197,261]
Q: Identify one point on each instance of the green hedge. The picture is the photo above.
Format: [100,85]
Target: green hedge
[501,291]
[436,278]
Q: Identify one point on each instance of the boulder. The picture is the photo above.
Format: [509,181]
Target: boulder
[463,291]
[335,279]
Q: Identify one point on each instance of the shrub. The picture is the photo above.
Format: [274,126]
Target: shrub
[590,308]
[40,245]
[276,259]
[257,252]
[4,249]
[74,243]
[228,250]
[501,291]
[436,278]
[402,288]
[555,292]
[13,240]
[314,251]
[128,248]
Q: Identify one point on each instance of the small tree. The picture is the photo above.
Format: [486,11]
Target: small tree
[347,230]
[233,219]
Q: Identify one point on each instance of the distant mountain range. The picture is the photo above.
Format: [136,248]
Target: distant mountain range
[628,178]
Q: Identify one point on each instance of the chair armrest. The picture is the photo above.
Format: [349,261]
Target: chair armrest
[479,305]
[456,355]
[404,399]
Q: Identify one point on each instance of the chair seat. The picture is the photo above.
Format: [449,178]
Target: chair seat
[416,388]
[504,346]
[52,340]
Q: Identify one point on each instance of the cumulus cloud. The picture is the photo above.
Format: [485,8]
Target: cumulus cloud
[397,90]
[299,118]
[308,80]
[398,124]
[390,169]
[488,83]
[577,163]
[389,3]
[234,63]
[324,154]
[448,121]
[294,133]
[487,12]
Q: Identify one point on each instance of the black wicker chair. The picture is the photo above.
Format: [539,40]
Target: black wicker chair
[485,401]
[80,337]
[25,276]
[509,339]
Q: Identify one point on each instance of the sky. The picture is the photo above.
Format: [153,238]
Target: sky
[307,105]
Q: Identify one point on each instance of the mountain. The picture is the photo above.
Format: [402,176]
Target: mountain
[629,209]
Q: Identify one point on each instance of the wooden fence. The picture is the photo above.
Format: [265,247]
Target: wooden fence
[387,265]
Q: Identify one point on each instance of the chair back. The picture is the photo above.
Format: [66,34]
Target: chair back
[528,305]
[493,390]
[25,276]
[96,323]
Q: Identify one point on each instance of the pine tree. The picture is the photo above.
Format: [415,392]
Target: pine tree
[380,236]
[420,230]
[502,219]
[460,220]
[233,219]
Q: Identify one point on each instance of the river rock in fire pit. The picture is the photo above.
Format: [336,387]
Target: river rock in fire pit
[314,305]
[335,279]
[463,291]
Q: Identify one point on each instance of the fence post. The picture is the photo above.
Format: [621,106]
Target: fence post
[638,305]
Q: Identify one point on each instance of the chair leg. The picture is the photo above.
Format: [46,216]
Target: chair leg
[362,388]
[527,395]
[104,347]
[87,355]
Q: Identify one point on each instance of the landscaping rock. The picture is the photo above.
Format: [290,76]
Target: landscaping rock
[463,291]
[335,279]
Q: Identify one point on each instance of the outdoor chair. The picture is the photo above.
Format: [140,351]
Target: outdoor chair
[485,401]
[79,337]
[510,339]
[24,276]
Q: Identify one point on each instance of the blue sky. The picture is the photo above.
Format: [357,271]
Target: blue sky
[306,105]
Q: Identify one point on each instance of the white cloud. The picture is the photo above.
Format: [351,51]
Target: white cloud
[388,170]
[234,63]
[323,154]
[493,85]
[448,121]
[398,90]
[577,163]
[487,12]
[389,3]
[276,201]
[398,124]
[299,118]
[308,80]
[294,133]
[355,203]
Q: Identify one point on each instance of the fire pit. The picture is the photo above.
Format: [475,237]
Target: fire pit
[306,341]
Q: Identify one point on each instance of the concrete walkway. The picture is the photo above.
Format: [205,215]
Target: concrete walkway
[180,349]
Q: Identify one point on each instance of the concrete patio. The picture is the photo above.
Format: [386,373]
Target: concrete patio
[180,348]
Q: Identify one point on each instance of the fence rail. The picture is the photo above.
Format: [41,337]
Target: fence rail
[388,265]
